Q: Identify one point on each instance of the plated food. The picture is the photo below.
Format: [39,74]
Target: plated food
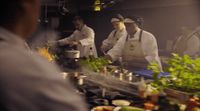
[103,108]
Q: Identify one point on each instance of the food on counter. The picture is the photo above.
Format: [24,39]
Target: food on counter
[103,108]
[121,103]
[195,109]
[130,108]
[193,103]
[149,106]
[142,88]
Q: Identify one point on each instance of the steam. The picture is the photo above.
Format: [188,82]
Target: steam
[42,38]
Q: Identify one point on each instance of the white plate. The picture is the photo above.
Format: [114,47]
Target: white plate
[118,108]
[121,103]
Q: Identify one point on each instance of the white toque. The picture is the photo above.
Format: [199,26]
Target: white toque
[115,20]
[128,20]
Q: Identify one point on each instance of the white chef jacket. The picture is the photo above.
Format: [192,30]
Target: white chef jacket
[87,39]
[187,45]
[148,43]
[113,37]
[31,83]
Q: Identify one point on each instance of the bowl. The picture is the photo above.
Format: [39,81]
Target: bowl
[72,54]
[121,102]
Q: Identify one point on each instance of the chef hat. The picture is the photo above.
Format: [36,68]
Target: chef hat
[134,19]
[128,20]
[118,18]
[115,20]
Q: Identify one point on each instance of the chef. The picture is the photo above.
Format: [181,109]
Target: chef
[118,32]
[83,37]
[137,49]
[188,43]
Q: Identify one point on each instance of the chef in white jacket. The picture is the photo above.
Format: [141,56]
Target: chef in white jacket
[83,37]
[137,49]
[188,43]
[118,32]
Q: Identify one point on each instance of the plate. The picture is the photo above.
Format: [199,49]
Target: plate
[121,103]
[131,108]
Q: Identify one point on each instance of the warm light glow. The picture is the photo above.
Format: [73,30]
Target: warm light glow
[44,52]
[97,5]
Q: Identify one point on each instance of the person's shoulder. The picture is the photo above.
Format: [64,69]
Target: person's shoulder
[194,38]
[148,34]
[113,31]
[87,28]
[76,31]
[124,32]
[22,62]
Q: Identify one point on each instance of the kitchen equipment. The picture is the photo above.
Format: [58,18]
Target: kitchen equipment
[72,58]
[72,54]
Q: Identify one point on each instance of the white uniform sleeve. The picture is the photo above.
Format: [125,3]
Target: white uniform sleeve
[193,46]
[88,37]
[150,48]
[108,40]
[67,39]
[116,51]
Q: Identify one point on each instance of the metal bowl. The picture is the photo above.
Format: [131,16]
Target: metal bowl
[72,54]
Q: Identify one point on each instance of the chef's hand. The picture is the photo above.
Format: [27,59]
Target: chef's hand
[103,49]
[108,57]
[62,42]
[75,42]
[52,43]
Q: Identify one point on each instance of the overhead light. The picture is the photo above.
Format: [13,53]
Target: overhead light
[97,5]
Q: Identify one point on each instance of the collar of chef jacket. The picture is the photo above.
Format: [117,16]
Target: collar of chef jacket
[119,33]
[11,38]
[84,26]
[136,35]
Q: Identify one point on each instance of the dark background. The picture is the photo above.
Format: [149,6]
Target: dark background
[163,18]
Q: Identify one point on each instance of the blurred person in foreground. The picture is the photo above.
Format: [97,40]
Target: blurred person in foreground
[118,32]
[137,49]
[29,82]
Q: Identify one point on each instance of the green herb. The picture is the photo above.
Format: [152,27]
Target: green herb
[184,74]
[94,64]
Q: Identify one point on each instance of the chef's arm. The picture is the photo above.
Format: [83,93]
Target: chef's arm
[108,40]
[66,40]
[117,49]
[150,49]
[193,46]
[107,44]
[88,38]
